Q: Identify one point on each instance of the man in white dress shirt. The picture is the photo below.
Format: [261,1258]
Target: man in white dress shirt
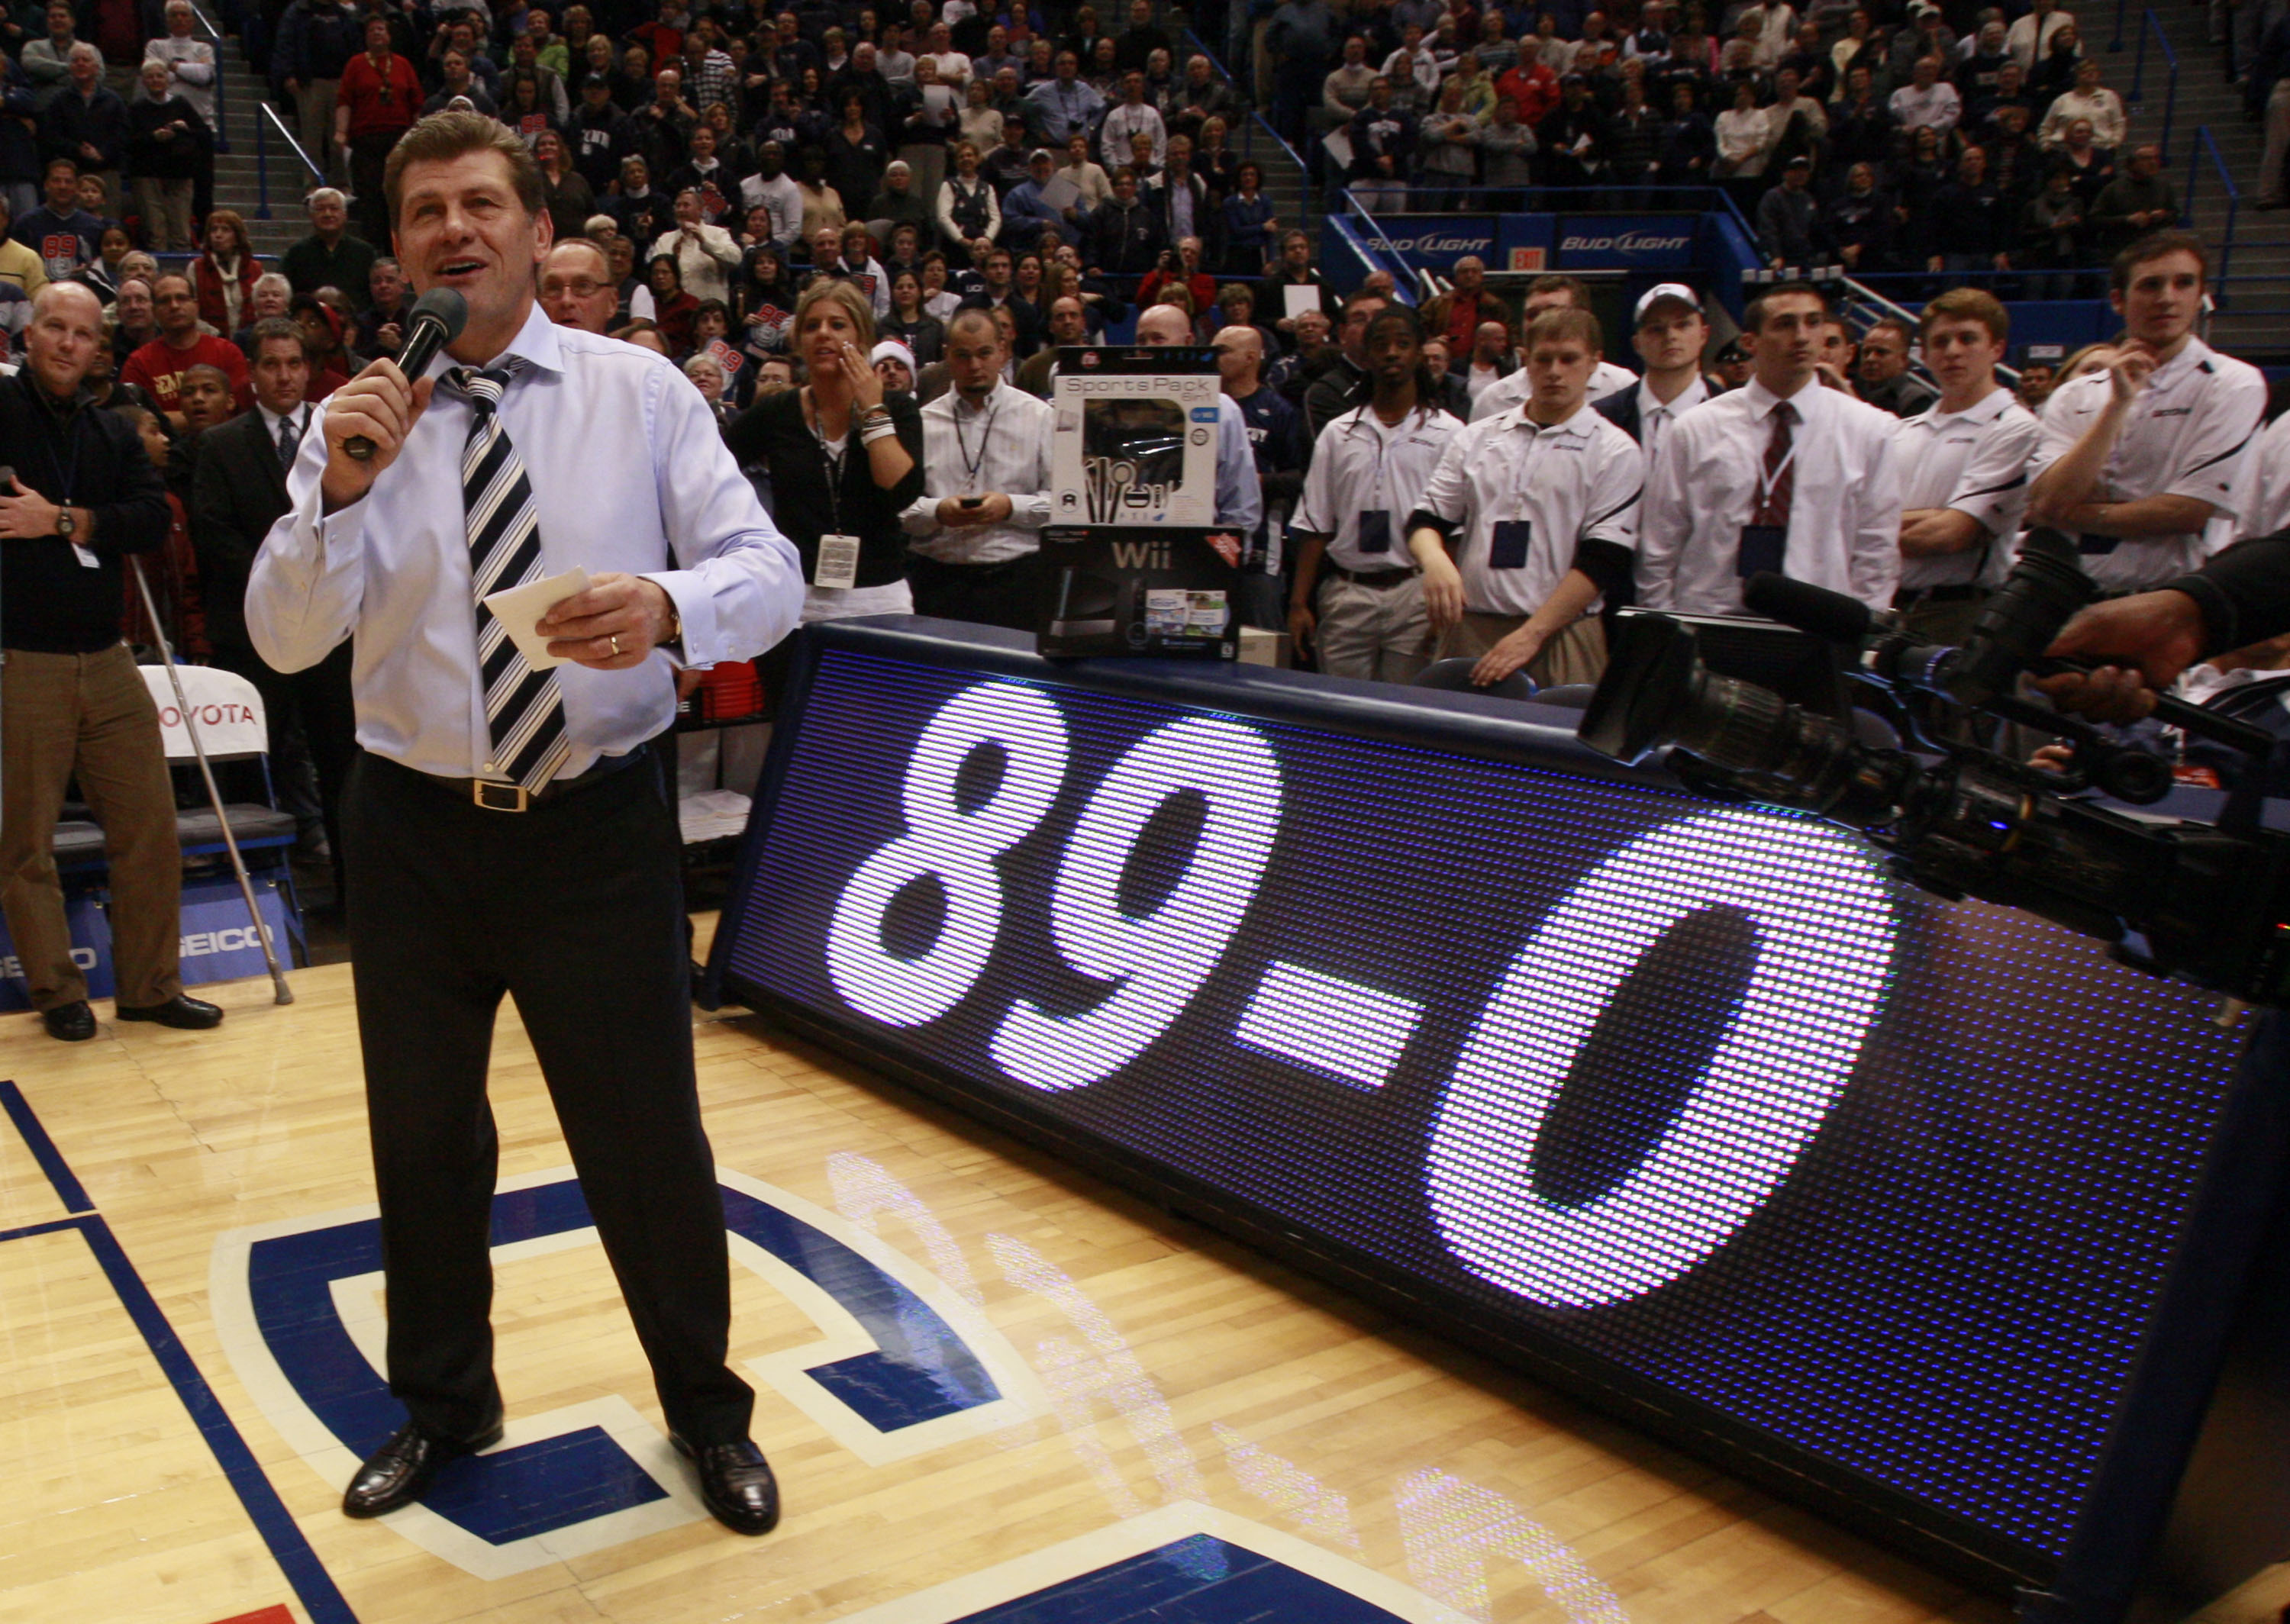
[1549,293]
[977,527]
[511,829]
[1963,470]
[1783,474]
[1530,520]
[2144,462]
[1671,335]
[1359,593]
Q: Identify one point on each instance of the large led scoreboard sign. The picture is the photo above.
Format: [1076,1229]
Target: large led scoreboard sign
[1927,1213]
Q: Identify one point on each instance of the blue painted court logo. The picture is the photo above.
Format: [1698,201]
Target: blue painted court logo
[904,1365]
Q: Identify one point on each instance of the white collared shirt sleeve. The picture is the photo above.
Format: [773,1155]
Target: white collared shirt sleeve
[1664,520]
[1873,544]
[1992,489]
[738,585]
[2229,414]
[1617,489]
[303,592]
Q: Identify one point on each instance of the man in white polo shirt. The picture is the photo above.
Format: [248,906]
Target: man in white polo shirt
[1530,519]
[2143,462]
[1549,293]
[1964,469]
[1783,474]
[1358,594]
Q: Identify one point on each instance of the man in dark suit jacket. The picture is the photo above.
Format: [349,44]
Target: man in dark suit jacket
[238,490]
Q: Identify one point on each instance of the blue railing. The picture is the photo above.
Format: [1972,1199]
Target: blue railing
[2205,147]
[1193,43]
[265,117]
[1377,242]
[2150,26]
[222,117]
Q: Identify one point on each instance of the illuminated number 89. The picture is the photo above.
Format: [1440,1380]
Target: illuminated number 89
[1156,961]
[954,847]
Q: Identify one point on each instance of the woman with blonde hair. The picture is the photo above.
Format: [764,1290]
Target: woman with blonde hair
[845,458]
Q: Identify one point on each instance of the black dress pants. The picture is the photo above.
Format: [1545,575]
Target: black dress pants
[1006,594]
[575,908]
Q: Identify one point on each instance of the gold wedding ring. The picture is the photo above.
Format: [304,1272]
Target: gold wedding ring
[615,641]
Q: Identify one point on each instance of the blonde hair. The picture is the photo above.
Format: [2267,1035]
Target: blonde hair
[836,290]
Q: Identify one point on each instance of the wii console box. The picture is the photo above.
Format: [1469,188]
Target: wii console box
[1172,590]
[1134,440]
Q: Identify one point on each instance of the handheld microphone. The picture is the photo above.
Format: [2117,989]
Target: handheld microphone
[435,321]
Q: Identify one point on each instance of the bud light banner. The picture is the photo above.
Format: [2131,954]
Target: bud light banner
[1433,241]
[1628,241]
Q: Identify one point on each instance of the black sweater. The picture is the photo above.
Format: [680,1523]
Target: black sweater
[79,456]
[773,432]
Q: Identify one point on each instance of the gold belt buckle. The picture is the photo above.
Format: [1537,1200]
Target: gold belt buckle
[512,798]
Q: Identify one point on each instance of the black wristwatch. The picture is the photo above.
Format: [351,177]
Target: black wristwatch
[66,526]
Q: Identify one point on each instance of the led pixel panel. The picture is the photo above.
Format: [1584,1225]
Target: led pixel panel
[1688,1091]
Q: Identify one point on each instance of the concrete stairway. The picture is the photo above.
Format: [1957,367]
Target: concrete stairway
[237,183]
[2256,318]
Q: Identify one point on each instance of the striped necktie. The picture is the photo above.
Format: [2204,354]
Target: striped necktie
[525,708]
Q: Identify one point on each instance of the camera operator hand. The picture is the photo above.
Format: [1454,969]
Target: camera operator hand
[2141,644]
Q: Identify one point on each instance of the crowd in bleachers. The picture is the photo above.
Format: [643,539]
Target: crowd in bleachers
[979,187]
[1965,142]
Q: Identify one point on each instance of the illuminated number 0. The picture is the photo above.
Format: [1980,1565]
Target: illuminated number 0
[1156,961]
[1825,931]
[954,847]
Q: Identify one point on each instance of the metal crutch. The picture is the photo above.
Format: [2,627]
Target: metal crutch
[285,994]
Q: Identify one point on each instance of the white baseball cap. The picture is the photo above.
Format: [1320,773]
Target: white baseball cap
[1666,290]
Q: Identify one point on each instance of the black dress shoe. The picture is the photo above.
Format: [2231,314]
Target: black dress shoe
[398,1472]
[736,1481]
[188,1013]
[75,1023]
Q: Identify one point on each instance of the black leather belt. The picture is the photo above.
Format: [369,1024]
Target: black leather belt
[1963,593]
[494,796]
[1371,578]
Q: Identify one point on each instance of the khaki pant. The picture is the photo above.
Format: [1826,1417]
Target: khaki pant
[88,715]
[317,131]
[1578,654]
[166,208]
[1375,634]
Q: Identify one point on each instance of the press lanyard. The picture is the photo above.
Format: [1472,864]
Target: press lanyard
[834,462]
[1769,480]
[971,464]
[67,473]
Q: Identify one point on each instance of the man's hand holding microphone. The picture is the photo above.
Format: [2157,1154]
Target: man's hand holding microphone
[614,625]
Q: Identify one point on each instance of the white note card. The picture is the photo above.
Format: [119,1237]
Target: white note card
[520,608]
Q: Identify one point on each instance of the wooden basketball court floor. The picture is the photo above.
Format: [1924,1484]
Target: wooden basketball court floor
[1182,1430]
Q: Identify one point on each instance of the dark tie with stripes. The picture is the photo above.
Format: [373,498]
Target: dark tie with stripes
[525,708]
[1780,485]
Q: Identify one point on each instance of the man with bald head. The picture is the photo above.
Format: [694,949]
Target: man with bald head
[84,496]
[576,287]
[1275,440]
[1238,501]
